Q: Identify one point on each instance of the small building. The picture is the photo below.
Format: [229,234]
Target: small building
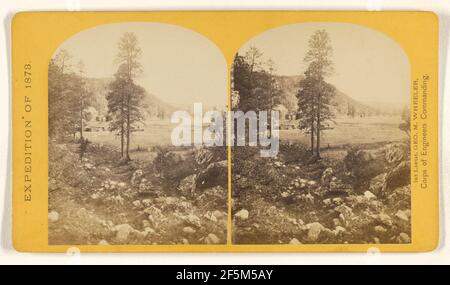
[95,126]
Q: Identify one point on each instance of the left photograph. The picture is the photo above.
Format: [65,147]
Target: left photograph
[118,94]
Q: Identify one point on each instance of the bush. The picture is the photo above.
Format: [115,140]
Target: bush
[361,166]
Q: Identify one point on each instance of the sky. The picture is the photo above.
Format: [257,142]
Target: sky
[179,66]
[368,65]
[182,67]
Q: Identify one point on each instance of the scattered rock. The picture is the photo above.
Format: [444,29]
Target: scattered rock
[103,242]
[380,229]
[314,230]
[294,241]
[210,216]
[123,231]
[212,239]
[369,195]
[402,216]
[137,203]
[146,202]
[385,219]
[88,166]
[148,230]
[153,211]
[338,230]
[327,175]
[136,177]
[53,216]
[95,196]
[218,214]
[242,214]
[146,223]
[403,238]
[188,230]
[193,220]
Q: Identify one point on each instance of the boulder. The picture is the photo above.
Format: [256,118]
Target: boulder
[136,177]
[294,241]
[242,214]
[403,238]
[210,216]
[314,230]
[327,175]
[53,216]
[103,242]
[212,239]
[188,230]
[215,174]
[123,231]
[193,220]
[379,229]
[402,216]
[369,195]
[338,230]
[385,219]
[218,214]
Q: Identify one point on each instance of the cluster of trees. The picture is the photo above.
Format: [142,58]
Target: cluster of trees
[315,94]
[68,96]
[124,95]
[254,81]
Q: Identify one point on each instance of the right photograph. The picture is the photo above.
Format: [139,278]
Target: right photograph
[340,173]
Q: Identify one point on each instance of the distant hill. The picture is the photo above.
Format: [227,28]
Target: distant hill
[152,105]
[342,102]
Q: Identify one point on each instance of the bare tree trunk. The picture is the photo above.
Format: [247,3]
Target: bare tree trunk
[312,137]
[318,129]
[121,139]
[312,127]
[128,128]
[81,119]
[122,122]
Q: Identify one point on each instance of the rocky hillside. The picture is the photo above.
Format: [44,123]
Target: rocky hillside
[342,101]
[152,105]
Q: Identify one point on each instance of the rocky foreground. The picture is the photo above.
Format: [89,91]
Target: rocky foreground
[363,197]
[100,200]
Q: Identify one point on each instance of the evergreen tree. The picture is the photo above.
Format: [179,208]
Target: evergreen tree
[314,96]
[116,99]
[128,57]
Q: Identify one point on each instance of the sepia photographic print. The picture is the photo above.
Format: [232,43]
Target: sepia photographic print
[342,172]
[139,130]
[115,177]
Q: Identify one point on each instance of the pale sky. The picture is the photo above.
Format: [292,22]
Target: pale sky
[180,66]
[369,66]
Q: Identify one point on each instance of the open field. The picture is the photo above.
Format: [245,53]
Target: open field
[345,131]
[348,130]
